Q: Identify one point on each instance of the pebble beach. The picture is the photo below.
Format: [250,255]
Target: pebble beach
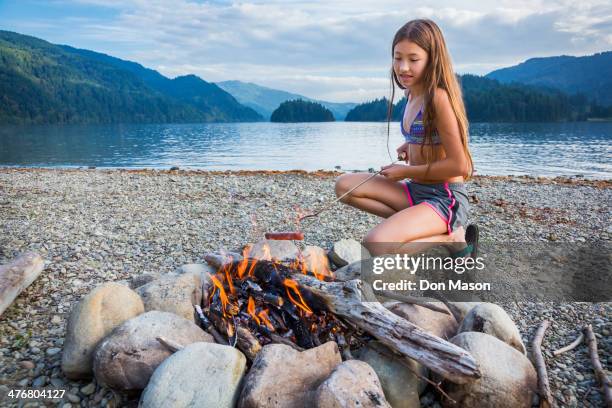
[98,225]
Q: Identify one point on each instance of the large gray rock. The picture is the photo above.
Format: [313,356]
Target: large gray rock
[201,269]
[173,293]
[200,375]
[401,387]
[436,323]
[347,251]
[270,249]
[491,319]
[352,384]
[95,316]
[127,357]
[283,377]
[508,377]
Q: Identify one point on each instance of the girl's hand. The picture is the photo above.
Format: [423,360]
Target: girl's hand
[403,151]
[394,172]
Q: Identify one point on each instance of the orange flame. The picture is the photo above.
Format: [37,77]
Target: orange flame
[251,309]
[228,278]
[242,265]
[222,294]
[264,317]
[291,284]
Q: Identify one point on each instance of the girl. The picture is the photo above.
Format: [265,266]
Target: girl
[432,205]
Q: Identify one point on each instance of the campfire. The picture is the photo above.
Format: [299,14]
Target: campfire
[252,302]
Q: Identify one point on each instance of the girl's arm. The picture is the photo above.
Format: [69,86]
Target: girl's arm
[455,163]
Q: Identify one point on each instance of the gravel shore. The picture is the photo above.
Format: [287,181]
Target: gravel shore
[95,225]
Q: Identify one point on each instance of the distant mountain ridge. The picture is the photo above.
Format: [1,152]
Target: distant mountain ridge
[44,83]
[590,75]
[265,100]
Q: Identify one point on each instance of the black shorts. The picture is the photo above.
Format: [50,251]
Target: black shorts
[448,200]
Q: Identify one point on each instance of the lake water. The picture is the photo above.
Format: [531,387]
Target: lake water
[539,149]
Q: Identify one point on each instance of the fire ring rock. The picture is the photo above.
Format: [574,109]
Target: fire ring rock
[436,323]
[491,319]
[126,358]
[199,375]
[96,315]
[283,377]
[508,377]
[352,384]
[396,375]
[347,251]
[173,293]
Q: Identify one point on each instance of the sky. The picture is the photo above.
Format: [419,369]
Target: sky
[330,50]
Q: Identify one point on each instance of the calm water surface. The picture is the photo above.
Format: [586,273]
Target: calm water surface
[541,149]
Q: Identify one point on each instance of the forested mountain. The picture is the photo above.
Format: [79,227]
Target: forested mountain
[589,75]
[265,100]
[45,83]
[487,100]
[300,110]
[376,111]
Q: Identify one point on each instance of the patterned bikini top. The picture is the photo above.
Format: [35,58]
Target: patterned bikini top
[417,129]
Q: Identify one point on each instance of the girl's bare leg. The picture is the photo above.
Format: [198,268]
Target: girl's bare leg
[419,225]
[379,196]
[412,230]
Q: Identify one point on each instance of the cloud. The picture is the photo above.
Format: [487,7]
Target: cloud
[330,50]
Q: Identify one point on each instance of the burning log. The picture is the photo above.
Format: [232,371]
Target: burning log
[408,340]
[208,326]
[247,343]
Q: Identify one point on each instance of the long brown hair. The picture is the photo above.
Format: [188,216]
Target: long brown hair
[438,74]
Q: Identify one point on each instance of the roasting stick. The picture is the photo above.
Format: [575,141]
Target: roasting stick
[334,201]
[299,235]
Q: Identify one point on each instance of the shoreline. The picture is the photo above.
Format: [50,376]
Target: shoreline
[568,180]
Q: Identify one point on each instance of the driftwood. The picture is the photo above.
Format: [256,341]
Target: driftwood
[570,346]
[412,300]
[18,275]
[600,374]
[345,300]
[546,399]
